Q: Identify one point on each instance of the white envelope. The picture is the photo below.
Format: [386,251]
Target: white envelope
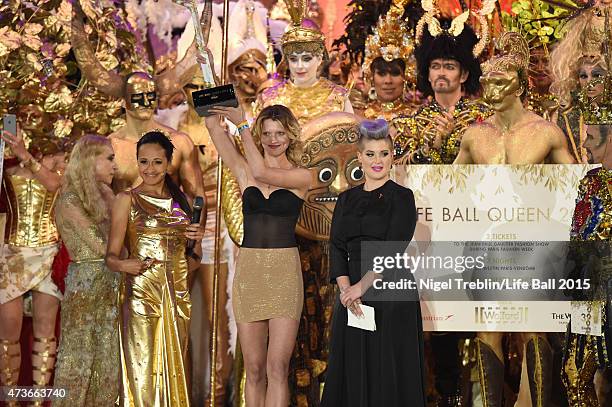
[367,322]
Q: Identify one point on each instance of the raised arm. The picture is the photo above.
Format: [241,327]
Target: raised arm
[294,178]
[227,150]
[116,239]
[50,179]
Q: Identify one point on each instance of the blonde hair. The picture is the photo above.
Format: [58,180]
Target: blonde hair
[80,176]
[292,127]
[567,58]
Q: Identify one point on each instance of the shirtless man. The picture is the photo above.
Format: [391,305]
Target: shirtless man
[513,135]
[140,101]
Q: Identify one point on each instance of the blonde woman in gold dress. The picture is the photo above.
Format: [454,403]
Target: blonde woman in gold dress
[153,220]
[31,189]
[88,358]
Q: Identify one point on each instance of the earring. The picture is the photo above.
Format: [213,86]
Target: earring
[372,93]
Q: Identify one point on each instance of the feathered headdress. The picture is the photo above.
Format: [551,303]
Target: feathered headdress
[248,31]
[430,18]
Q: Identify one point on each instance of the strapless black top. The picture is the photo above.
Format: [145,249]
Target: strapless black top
[270,223]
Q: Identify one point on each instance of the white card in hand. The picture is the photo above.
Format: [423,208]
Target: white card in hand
[367,322]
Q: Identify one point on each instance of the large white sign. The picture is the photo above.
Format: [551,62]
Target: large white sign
[494,203]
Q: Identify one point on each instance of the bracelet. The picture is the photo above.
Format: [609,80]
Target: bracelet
[242,126]
[33,165]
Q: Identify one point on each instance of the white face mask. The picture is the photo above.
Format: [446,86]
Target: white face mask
[304,67]
[172,117]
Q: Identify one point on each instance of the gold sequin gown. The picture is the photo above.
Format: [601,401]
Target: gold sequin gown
[88,359]
[32,242]
[155,306]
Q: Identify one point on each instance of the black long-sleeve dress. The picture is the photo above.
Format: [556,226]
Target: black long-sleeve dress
[383,367]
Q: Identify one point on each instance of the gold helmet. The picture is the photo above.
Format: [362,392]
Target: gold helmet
[298,37]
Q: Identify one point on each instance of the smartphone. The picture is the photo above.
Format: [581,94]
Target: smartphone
[9,123]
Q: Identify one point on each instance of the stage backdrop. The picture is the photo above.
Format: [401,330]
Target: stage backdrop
[494,203]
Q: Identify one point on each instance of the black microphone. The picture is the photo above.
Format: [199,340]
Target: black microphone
[198,204]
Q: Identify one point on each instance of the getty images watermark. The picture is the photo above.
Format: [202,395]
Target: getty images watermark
[485,271]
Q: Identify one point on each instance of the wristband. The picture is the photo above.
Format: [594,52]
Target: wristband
[242,126]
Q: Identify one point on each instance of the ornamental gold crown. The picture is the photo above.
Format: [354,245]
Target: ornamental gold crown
[595,99]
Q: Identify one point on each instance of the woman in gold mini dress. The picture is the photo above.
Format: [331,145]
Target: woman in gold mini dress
[267,291]
[153,220]
[31,190]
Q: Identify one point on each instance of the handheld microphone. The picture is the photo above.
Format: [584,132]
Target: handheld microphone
[198,204]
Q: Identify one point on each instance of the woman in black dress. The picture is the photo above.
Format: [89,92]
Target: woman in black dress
[382,367]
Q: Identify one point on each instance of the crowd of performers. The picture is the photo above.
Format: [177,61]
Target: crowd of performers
[308,165]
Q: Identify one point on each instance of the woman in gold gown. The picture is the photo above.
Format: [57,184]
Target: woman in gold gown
[31,189]
[88,358]
[153,220]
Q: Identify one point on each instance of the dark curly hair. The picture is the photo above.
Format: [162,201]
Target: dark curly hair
[445,46]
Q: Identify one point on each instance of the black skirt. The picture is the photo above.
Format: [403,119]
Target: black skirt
[380,368]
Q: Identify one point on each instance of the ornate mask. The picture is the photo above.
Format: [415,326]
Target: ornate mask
[498,86]
[330,150]
[140,96]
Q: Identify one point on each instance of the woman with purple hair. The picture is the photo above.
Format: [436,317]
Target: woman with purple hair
[383,367]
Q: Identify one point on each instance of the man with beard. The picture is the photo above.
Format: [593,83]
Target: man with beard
[447,72]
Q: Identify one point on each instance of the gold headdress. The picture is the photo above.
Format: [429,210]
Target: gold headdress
[514,54]
[596,32]
[430,18]
[391,39]
[583,36]
[598,109]
[298,38]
